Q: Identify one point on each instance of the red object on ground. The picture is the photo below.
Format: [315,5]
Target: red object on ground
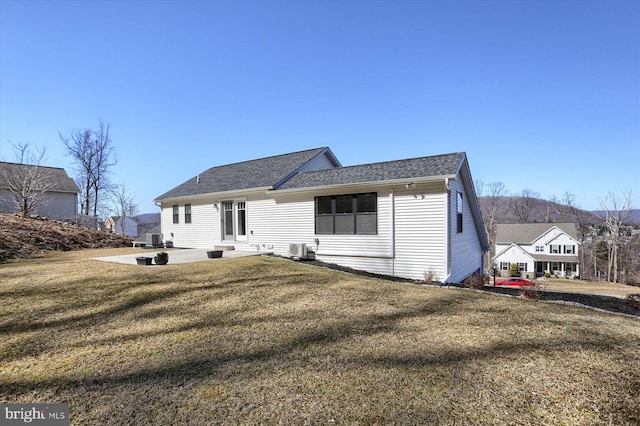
[515,282]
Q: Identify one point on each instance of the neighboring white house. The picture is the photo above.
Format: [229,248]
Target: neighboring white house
[404,218]
[116,223]
[538,248]
[60,201]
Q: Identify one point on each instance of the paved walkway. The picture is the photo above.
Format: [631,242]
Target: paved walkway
[178,255]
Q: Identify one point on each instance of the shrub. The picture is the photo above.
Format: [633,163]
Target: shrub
[532,293]
[514,270]
[547,275]
[476,281]
[431,276]
[634,301]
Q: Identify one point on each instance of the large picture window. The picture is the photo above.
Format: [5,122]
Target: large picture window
[347,214]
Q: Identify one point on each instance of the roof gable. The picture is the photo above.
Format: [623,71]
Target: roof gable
[513,246]
[414,168]
[61,182]
[267,172]
[527,233]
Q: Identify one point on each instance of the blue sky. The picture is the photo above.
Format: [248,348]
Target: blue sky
[541,95]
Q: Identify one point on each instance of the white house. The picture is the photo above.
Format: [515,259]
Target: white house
[538,248]
[404,218]
[115,224]
[60,199]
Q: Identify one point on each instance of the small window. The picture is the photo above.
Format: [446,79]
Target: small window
[176,215]
[522,267]
[554,249]
[539,249]
[187,213]
[459,212]
[504,266]
[570,249]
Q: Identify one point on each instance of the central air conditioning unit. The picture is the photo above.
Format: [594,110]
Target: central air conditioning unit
[298,250]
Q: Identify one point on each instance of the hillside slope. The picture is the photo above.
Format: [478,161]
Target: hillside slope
[23,238]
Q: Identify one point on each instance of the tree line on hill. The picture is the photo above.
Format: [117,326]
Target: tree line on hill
[609,237]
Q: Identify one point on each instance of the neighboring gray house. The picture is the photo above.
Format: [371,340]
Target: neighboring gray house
[61,197]
[409,218]
[538,248]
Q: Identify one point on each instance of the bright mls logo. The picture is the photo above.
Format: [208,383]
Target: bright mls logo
[36,414]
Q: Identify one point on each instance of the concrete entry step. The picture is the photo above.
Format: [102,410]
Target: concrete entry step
[224,248]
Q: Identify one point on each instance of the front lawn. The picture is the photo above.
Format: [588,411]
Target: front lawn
[262,340]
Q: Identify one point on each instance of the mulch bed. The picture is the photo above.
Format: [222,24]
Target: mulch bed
[606,303]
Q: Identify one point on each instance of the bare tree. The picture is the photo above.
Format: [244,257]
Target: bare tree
[27,180]
[105,158]
[615,211]
[94,154]
[523,204]
[124,205]
[492,208]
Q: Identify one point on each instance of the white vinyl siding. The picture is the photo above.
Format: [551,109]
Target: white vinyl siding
[423,240]
[466,251]
[292,220]
[516,254]
[421,233]
[202,232]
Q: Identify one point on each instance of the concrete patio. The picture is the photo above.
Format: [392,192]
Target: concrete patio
[178,255]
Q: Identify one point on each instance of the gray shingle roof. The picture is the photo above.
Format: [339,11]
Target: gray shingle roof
[61,181]
[260,173]
[414,168]
[525,233]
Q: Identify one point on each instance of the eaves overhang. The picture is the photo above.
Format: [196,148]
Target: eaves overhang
[209,195]
[375,183]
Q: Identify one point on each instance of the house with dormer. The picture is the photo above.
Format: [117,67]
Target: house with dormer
[538,248]
[409,218]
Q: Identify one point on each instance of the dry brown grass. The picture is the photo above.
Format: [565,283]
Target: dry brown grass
[266,341]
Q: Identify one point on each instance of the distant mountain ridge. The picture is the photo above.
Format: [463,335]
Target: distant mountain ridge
[634,216]
[548,211]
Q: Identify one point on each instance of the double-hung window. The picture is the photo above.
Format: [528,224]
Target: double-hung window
[176,214]
[187,213]
[347,214]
